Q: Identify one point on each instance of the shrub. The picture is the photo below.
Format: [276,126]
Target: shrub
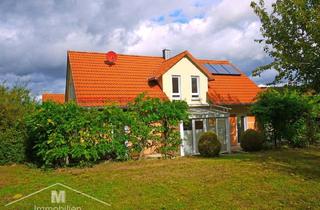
[67,134]
[155,122]
[143,117]
[251,140]
[61,135]
[12,146]
[278,115]
[15,104]
[209,145]
[170,114]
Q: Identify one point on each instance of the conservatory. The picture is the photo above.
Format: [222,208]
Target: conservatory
[213,118]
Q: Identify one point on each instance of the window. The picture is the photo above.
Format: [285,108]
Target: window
[187,126]
[176,92]
[195,87]
[199,124]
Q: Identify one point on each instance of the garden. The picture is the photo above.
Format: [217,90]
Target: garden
[100,151]
[65,143]
[272,179]
[51,135]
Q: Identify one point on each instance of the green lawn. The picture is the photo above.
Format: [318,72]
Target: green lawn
[283,179]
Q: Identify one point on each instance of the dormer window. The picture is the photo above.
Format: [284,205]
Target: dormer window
[195,87]
[176,87]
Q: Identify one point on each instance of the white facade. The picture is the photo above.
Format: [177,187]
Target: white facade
[185,81]
[185,70]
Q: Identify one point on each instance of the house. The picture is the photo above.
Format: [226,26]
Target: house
[218,93]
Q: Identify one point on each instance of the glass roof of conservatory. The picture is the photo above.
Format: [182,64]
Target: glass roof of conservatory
[202,113]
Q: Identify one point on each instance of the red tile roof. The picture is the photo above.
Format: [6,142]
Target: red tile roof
[55,97]
[231,89]
[96,82]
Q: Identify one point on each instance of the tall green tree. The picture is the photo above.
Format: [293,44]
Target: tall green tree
[15,104]
[286,116]
[291,36]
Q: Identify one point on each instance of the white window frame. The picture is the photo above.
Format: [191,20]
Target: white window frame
[176,96]
[195,96]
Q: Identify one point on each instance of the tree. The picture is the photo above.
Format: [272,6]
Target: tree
[15,104]
[291,35]
[280,115]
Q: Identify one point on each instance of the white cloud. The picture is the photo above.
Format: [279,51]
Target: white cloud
[227,31]
[7,34]
[35,35]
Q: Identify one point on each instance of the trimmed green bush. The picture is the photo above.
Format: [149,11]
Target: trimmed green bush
[251,140]
[209,145]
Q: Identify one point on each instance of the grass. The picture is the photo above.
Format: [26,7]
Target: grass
[281,179]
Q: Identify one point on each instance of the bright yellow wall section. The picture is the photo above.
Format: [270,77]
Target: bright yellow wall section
[185,68]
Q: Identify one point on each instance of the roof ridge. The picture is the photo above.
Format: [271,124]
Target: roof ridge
[153,56]
[167,64]
[177,55]
[92,52]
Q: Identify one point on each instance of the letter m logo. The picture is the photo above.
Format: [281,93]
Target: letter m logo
[58,197]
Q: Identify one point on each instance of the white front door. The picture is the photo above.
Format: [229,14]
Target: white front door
[198,129]
[191,134]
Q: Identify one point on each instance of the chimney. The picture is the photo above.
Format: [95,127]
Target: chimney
[166,53]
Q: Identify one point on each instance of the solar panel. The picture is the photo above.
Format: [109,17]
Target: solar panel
[219,69]
[210,68]
[231,70]
[223,69]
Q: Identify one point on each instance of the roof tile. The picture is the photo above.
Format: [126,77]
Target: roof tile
[97,83]
[55,97]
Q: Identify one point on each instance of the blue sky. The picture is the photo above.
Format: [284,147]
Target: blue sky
[35,35]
